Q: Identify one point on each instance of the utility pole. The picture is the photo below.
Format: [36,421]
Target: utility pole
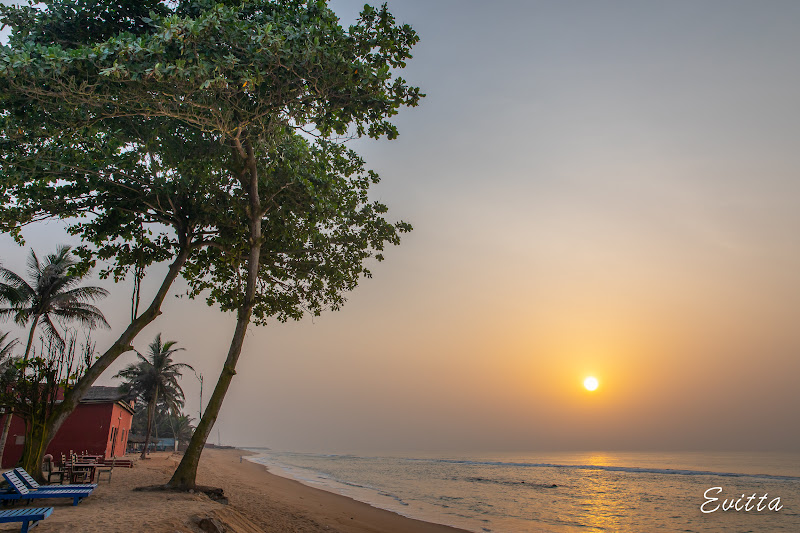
[200,378]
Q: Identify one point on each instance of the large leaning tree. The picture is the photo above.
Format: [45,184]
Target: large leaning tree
[206,137]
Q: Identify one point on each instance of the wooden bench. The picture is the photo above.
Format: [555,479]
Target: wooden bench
[28,517]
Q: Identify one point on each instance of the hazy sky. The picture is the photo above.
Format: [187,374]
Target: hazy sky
[597,188]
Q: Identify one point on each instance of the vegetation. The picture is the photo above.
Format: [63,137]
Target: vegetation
[32,388]
[166,423]
[6,347]
[204,134]
[8,375]
[52,294]
[154,380]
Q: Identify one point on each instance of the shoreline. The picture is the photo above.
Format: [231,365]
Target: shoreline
[333,511]
[258,501]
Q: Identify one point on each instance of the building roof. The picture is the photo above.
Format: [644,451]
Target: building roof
[103,394]
[100,394]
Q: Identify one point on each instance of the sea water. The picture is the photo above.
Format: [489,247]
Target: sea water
[585,492]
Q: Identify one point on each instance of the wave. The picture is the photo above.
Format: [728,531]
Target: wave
[628,469]
[312,476]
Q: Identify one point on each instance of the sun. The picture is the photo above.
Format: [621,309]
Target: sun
[591,383]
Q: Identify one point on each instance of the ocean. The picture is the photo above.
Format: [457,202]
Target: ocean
[587,492]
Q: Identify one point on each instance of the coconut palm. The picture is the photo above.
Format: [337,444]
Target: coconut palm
[182,428]
[5,348]
[154,379]
[51,294]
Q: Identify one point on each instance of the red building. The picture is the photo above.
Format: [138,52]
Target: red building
[99,425]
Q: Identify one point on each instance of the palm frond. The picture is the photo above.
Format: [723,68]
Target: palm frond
[155,375]
[50,329]
[5,349]
[88,315]
[82,294]
[17,284]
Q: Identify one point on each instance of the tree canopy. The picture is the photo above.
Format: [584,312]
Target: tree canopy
[205,133]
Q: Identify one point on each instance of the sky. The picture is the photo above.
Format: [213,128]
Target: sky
[596,188]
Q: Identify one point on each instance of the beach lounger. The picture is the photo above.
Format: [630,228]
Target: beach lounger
[21,492]
[34,485]
[28,517]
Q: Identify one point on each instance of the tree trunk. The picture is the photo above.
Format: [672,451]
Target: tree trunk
[35,437]
[185,476]
[30,337]
[123,344]
[7,424]
[4,435]
[151,413]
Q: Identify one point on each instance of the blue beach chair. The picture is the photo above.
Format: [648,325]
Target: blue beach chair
[28,517]
[34,485]
[20,492]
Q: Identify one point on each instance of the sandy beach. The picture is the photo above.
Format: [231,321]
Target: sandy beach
[258,501]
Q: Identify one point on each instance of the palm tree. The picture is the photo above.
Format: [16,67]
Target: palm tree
[182,428]
[51,294]
[5,348]
[154,379]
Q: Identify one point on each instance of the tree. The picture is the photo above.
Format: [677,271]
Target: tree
[6,347]
[52,294]
[182,428]
[290,224]
[154,379]
[8,375]
[147,187]
[31,388]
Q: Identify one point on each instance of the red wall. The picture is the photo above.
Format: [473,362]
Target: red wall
[97,428]
[117,436]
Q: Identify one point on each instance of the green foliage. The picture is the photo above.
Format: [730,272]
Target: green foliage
[154,377]
[32,387]
[318,229]
[166,423]
[150,151]
[205,132]
[9,365]
[52,294]
[153,380]
[224,67]
[72,22]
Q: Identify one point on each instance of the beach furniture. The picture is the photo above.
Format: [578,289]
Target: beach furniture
[19,491]
[28,517]
[105,468]
[34,485]
[76,471]
[51,470]
[123,462]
